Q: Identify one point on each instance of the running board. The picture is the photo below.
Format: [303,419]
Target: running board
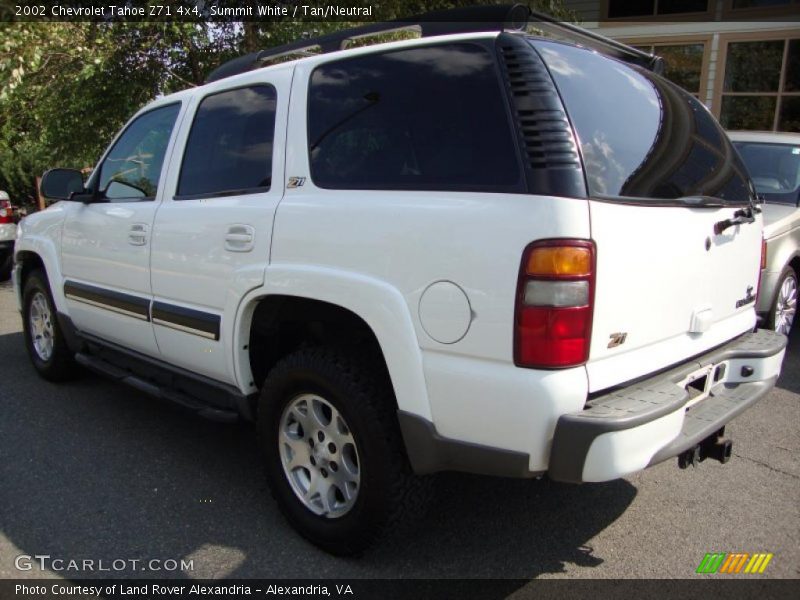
[106,369]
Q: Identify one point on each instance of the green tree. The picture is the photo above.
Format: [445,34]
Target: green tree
[67,88]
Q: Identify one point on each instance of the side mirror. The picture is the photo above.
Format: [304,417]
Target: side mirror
[60,184]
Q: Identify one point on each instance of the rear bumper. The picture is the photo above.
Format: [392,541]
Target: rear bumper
[652,420]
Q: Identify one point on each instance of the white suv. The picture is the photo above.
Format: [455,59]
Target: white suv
[481,251]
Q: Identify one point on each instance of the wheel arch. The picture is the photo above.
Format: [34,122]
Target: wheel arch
[794,263]
[351,309]
[29,261]
[282,323]
[768,310]
[41,254]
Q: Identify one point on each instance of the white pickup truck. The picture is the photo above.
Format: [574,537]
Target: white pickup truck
[773,161]
[478,251]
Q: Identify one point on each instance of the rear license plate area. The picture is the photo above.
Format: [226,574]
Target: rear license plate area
[698,384]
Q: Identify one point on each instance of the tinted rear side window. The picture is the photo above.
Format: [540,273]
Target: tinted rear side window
[640,135]
[229,150]
[428,118]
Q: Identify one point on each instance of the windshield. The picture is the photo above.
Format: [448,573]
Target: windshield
[775,169]
[642,138]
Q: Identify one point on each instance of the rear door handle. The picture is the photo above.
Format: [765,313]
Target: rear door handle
[240,238]
[137,235]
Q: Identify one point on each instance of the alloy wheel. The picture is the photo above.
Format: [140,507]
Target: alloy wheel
[319,456]
[786,305]
[41,326]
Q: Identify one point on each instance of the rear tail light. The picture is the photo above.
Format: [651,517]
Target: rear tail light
[555,294]
[6,212]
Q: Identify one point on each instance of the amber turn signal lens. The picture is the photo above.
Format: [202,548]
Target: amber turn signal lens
[550,261]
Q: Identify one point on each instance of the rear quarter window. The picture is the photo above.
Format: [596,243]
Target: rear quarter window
[430,118]
[642,137]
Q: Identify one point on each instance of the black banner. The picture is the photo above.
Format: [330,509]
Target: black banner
[361,11]
[390,589]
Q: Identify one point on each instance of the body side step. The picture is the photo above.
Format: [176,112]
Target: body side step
[153,389]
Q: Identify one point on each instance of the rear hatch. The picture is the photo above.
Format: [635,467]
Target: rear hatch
[678,242]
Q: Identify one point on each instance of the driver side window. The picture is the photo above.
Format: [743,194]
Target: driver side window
[131,170]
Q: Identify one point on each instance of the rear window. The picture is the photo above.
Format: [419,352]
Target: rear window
[641,136]
[430,118]
[774,168]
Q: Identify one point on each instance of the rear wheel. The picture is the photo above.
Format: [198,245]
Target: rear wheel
[334,455]
[784,307]
[44,340]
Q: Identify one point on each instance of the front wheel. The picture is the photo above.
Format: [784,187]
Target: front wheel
[335,460]
[784,307]
[44,340]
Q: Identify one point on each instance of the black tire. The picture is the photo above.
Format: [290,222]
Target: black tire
[60,365]
[788,274]
[6,264]
[359,390]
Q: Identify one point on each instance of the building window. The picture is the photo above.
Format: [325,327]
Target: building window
[760,3]
[761,88]
[757,9]
[684,63]
[621,9]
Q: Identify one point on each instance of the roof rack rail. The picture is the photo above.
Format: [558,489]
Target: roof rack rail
[596,41]
[502,17]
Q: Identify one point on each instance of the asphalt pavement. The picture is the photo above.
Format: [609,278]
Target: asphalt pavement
[92,470]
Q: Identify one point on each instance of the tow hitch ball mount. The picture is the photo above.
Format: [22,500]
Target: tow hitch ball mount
[715,446]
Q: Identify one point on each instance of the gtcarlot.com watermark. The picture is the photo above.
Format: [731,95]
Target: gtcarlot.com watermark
[46,562]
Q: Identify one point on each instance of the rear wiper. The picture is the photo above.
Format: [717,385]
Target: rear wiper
[740,217]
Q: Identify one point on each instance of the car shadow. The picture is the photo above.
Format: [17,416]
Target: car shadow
[790,372]
[94,470]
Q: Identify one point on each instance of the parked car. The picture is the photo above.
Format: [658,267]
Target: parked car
[8,235]
[773,160]
[413,266]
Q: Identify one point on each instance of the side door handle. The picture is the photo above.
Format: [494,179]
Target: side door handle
[137,235]
[240,238]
